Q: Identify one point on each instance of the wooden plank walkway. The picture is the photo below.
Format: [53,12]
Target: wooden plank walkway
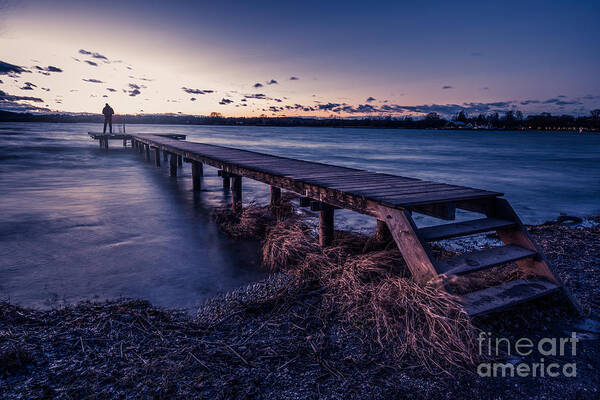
[391,199]
[354,189]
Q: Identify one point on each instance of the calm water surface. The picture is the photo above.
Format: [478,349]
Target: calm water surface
[79,223]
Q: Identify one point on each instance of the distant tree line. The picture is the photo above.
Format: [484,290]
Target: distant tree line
[509,120]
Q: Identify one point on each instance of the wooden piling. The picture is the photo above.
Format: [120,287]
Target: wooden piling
[196,174]
[275,196]
[236,193]
[326,225]
[226,182]
[304,202]
[179,161]
[382,232]
[124,142]
[101,143]
[172,164]
[157,156]
[147,152]
[165,156]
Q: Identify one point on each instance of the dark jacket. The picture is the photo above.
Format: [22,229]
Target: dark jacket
[108,111]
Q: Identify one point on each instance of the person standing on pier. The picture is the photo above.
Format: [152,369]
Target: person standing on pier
[108,113]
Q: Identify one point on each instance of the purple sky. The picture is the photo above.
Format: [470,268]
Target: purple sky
[300,58]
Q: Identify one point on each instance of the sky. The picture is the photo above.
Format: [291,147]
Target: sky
[309,58]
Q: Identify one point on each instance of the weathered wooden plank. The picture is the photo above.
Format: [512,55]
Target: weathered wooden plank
[539,265]
[482,259]
[501,297]
[412,247]
[465,228]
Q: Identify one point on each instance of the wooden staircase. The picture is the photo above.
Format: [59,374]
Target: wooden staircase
[519,248]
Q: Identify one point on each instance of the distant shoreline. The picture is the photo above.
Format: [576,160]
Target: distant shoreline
[543,122]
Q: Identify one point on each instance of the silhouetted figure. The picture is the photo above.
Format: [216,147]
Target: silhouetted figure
[108,113]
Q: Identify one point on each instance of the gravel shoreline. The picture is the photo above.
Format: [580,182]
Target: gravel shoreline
[277,339]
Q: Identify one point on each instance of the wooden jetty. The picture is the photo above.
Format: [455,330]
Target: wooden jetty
[391,200]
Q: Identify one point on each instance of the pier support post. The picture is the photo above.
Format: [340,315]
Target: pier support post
[326,225]
[226,182]
[382,232]
[179,161]
[173,164]
[124,142]
[165,156]
[304,202]
[236,193]
[196,174]
[140,147]
[101,143]
[147,152]
[157,156]
[275,196]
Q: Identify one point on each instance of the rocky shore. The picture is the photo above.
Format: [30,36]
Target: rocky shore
[300,335]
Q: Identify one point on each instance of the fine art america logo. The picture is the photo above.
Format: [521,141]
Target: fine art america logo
[552,348]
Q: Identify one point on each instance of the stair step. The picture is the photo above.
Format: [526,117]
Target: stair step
[482,259]
[446,231]
[506,295]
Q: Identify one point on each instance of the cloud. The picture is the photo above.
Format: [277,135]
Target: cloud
[5,97]
[1,81]
[94,55]
[134,89]
[258,96]
[527,102]
[11,69]
[49,68]
[294,78]
[193,99]
[272,82]
[447,87]
[257,85]
[370,99]
[140,78]
[92,80]
[197,91]
[328,106]
[225,101]
[91,63]
[45,89]
[560,102]
[485,88]
[111,89]
[28,86]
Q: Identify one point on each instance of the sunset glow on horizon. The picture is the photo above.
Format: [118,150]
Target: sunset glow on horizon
[346,59]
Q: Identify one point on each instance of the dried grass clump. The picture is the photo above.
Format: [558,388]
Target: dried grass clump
[422,321]
[254,297]
[253,221]
[374,293]
[287,244]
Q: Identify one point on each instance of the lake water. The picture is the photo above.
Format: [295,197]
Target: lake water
[80,223]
